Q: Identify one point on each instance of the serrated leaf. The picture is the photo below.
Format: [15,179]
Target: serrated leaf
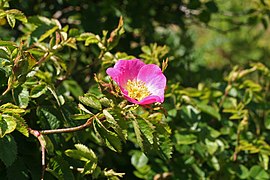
[110,138]
[91,101]
[9,108]
[82,153]
[163,132]
[138,133]
[8,150]
[147,129]
[23,98]
[114,125]
[21,125]
[47,118]
[7,125]
[38,90]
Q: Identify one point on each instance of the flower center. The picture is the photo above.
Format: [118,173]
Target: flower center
[137,89]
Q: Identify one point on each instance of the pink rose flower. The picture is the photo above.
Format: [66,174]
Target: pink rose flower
[140,83]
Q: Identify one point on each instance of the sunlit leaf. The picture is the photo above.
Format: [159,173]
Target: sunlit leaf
[91,101]
[38,90]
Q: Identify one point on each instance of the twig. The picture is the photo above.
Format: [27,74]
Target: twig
[40,138]
[71,129]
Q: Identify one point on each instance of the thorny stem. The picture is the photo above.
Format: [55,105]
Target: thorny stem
[39,134]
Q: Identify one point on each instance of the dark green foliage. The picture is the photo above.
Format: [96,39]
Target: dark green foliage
[214,123]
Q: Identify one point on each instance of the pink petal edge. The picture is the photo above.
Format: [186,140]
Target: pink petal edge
[155,80]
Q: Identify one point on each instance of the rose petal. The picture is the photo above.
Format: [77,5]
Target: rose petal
[151,99]
[154,79]
[125,70]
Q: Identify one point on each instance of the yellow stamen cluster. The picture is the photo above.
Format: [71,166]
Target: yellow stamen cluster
[137,89]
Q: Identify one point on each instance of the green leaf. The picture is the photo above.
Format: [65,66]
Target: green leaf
[7,125]
[139,159]
[209,110]
[2,13]
[91,101]
[82,153]
[9,108]
[23,98]
[91,40]
[47,118]
[264,158]
[73,87]
[21,125]
[89,167]
[48,33]
[257,172]
[138,133]
[8,43]
[242,172]
[164,143]
[80,116]
[38,90]
[114,125]
[8,150]
[59,168]
[146,128]
[17,15]
[211,146]
[267,121]
[84,36]
[215,163]
[110,138]
[3,126]
[11,20]
[185,138]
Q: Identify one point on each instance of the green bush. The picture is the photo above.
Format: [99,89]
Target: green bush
[62,117]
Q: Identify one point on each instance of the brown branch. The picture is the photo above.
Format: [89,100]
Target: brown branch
[71,129]
[41,142]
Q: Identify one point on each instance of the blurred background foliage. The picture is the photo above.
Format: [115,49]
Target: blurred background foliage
[217,97]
